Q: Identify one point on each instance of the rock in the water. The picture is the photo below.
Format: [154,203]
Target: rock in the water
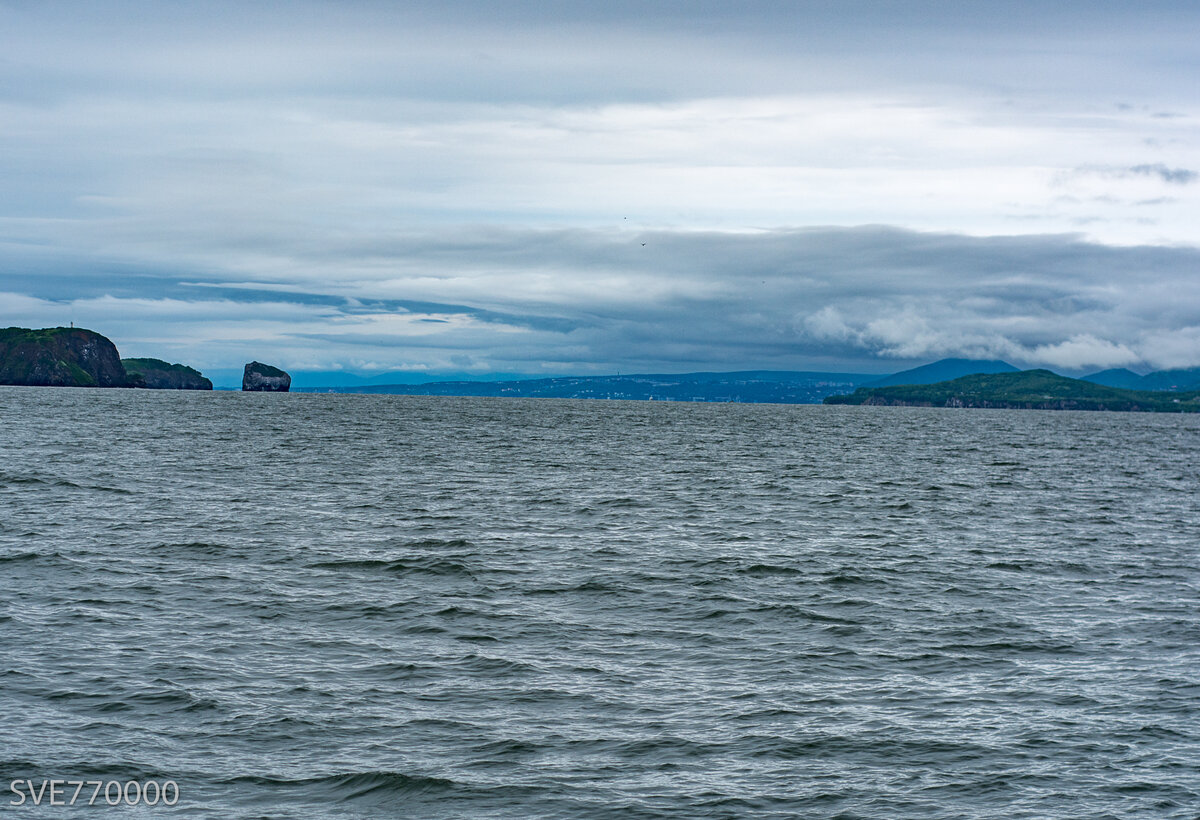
[263,377]
[159,375]
[59,357]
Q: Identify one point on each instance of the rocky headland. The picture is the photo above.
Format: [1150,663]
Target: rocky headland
[59,357]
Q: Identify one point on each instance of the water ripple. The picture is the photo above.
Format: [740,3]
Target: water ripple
[367,606]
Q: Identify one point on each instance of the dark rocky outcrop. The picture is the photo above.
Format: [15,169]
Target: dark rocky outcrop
[59,357]
[159,375]
[264,378]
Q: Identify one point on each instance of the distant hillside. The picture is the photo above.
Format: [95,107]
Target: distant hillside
[1116,377]
[159,375]
[754,386]
[1183,379]
[943,370]
[1027,389]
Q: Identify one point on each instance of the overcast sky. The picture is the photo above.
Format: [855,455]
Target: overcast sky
[583,187]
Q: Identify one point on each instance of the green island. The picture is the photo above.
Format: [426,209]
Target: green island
[157,374]
[1024,390]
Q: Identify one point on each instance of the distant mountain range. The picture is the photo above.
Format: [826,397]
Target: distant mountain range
[776,386]
[943,370]
[1117,377]
[1182,379]
[947,369]
[1025,389]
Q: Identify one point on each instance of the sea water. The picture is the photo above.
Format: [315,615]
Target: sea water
[338,606]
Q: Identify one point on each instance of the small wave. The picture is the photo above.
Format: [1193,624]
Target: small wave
[89,770]
[18,480]
[488,664]
[356,785]
[623,502]
[506,748]
[595,586]
[1005,647]
[138,701]
[441,725]
[23,557]
[394,671]
[806,614]
[769,569]
[199,548]
[668,747]
[1007,566]
[585,586]
[435,543]
[398,566]
[868,745]
[457,612]
[361,610]
[842,579]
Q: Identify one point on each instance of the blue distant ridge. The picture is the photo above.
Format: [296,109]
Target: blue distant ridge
[1121,377]
[944,370]
[1181,379]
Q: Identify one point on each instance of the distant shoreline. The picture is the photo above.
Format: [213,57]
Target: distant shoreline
[1024,390]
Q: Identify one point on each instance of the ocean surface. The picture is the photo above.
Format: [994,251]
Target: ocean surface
[339,606]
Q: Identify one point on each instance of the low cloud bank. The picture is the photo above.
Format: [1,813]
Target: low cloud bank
[555,301]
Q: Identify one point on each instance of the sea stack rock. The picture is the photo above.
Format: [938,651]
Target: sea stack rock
[59,357]
[159,375]
[264,378]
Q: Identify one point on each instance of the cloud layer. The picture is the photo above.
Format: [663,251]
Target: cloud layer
[574,300]
[468,186]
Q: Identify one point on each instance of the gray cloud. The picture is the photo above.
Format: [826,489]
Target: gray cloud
[403,185]
[1152,170]
[575,51]
[1175,176]
[573,300]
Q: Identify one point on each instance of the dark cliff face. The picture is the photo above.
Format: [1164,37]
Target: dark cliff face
[159,375]
[261,377]
[59,357]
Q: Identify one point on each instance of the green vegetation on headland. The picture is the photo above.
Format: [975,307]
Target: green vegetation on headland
[159,375]
[1026,390]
